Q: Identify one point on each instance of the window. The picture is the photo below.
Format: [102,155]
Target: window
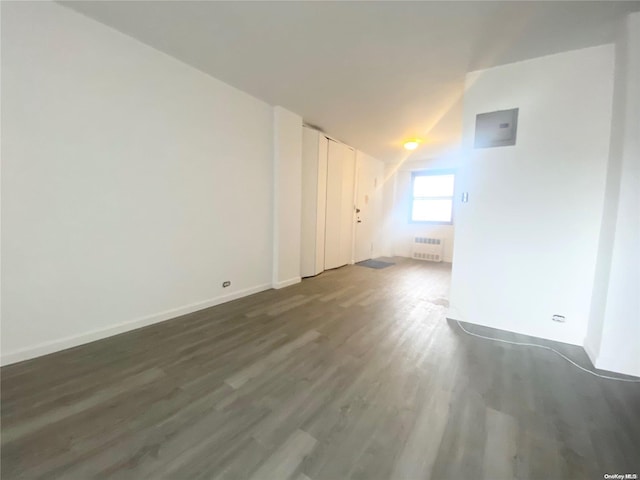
[432,196]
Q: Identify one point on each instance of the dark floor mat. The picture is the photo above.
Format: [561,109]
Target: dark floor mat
[374,264]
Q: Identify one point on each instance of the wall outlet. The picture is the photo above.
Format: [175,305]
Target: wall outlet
[226,284]
[558,318]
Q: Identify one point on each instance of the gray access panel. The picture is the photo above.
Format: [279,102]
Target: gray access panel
[496,129]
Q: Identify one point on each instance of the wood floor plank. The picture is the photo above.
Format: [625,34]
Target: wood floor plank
[12,433]
[421,448]
[246,374]
[287,458]
[353,374]
[500,449]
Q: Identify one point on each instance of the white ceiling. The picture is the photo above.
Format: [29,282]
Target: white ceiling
[369,73]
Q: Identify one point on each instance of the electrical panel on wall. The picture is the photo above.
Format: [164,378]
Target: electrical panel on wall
[496,129]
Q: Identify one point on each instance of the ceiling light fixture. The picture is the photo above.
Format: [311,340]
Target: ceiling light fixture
[412,144]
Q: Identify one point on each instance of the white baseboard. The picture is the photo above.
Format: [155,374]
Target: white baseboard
[286,283]
[73,341]
[454,314]
[613,364]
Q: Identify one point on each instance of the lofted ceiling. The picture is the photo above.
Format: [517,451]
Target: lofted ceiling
[372,74]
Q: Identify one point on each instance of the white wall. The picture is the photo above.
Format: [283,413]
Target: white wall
[615,312]
[132,185]
[403,230]
[527,241]
[288,197]
[388,210]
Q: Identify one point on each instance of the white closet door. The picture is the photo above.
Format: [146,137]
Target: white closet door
[333,223]
[321,214]
[308,226]
[314,199]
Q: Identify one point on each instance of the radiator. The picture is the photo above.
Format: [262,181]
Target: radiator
[425,248]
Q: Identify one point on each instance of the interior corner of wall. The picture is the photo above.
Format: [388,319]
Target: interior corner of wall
[453,313]
[286,283]
[612,363]
[591,350]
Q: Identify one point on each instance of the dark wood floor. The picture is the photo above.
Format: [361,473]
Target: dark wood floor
[353,374]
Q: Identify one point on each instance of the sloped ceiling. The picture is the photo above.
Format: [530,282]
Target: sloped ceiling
[369,73]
